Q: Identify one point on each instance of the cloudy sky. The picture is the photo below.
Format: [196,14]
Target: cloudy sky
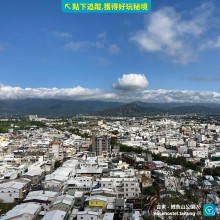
[171,54]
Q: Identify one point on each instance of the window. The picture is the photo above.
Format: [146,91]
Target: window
[81,217]
[91,217]
[9,194]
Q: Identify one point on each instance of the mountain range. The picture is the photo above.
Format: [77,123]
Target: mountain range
[53,107]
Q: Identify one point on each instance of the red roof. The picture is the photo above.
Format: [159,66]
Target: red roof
[56,142]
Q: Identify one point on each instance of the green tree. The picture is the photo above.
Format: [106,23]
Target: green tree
[115,132]
[150,190]
[57,164]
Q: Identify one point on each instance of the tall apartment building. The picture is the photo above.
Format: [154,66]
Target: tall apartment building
[56,149]
[101,145]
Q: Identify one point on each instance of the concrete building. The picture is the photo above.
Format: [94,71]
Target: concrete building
[97,202]
[83,184]
[87,215]
[55,215]
[14,191]
[56,148]
[101,145]
[44,198]
[25,211]
[125,187]
[63,203]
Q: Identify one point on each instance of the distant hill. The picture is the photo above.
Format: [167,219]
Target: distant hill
[150,109]
[53,107]
[129,110]
[194,109]
[171,105]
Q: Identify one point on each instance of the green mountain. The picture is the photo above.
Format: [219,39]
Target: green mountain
[53,107]
[134,109]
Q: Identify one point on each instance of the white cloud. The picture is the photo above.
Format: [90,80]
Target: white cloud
[61,34]
[80,93]
[211,44]
[81,45]
[114,49]
[76,93]
[165,96]
[166,31]
[131,82]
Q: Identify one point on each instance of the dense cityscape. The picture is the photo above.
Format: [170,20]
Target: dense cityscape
[109,168]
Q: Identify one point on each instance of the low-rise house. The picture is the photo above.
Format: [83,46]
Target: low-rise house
[55,215]
[122,165]
[63,203]
[87,215]
[201,152]
[36,176]
[119,205]
[146,181]
[104,192]
[97,202]
[57,180]
[108,216]
[54,183]
[44,198]
[158,164]
[79,199]
[206,185]
[125,187]
[11,174]
[210,163]
[14,191]
[25,211]
[84,184]
[97,173]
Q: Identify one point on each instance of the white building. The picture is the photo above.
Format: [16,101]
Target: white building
[55,215]
[14,190]
[87,215]
[44,198]
[125,187]
[25,211]
[82,184]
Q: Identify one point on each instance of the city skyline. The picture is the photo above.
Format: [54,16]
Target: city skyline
[167,55]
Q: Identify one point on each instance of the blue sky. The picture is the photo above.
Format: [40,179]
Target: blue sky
[171,50]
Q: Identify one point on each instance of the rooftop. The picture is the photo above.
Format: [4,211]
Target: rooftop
[54,215]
